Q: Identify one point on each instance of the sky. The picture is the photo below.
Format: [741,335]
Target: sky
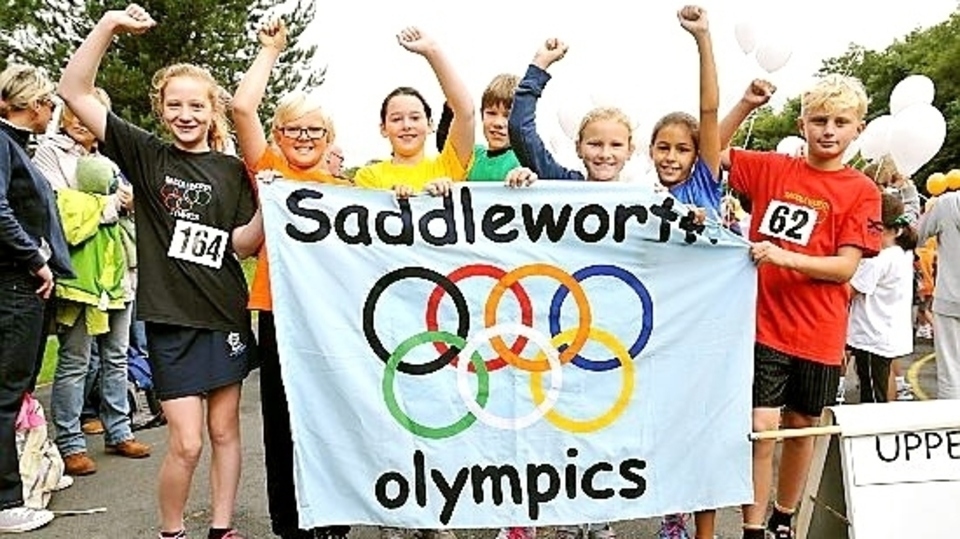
[631,54]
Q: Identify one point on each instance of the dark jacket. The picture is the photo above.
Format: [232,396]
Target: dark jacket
[28,211]
[522,125]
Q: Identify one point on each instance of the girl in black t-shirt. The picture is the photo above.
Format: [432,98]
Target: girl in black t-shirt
[196,217]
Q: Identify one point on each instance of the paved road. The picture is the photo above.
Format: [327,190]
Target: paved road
[125,488]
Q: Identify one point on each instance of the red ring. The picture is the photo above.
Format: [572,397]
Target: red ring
[481,270]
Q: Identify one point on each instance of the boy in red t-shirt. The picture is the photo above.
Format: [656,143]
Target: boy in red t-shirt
[813,219]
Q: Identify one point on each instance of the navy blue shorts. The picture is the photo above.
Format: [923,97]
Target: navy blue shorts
[192,362]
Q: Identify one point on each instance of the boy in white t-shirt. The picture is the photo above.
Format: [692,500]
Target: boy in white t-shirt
[881,327]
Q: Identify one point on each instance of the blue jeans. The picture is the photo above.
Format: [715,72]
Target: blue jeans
[21,351]
[68,382]
[137,349]
[138,335]
[91,386]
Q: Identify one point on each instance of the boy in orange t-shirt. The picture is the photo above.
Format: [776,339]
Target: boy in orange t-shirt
[814,218]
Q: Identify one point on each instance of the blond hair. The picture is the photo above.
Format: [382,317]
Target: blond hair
[834,93]
[67,116]
[500,91]
[22,86]
[606,113]
[884,172]
[297,104]
[218,136]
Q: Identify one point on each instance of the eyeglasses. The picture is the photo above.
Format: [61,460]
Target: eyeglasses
[312,133]
[49,101]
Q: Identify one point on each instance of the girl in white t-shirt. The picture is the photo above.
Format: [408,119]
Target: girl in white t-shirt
[881,326]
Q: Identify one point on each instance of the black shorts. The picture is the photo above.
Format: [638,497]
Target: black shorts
[781,380]
[190,361]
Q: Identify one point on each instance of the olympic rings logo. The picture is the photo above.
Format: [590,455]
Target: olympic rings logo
[560,348]
[184,198]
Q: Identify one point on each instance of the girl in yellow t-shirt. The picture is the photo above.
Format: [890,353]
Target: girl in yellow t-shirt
[406,120]
[300,135]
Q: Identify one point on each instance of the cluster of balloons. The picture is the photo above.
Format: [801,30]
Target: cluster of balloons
[912,133]
[770,53]
[939,183]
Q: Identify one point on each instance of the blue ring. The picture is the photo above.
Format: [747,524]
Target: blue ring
[634,283]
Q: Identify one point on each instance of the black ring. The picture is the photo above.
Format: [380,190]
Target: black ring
[370,332]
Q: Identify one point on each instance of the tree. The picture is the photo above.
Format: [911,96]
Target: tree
[217,34]
[767,127]
[933,51]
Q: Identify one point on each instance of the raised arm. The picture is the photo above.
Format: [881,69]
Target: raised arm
[757,95]
[76,84]
[694,20]
[463,128]
[249,94]
[522,124]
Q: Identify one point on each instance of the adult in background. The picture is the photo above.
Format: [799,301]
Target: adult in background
[96,306]
[32,251]
[942,221]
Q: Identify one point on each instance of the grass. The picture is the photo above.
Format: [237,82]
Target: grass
[50,353]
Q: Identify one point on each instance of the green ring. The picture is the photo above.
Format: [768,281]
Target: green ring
[390,397]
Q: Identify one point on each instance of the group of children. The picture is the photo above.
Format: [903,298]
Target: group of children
[814,219]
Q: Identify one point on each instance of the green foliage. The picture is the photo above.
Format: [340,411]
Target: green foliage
[934,52]
[768,127]
[217,34]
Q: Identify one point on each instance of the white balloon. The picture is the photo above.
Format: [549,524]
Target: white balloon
[918,134]
[569,121]
[875,139]
[746,36]
[773,56]
[791,145]
[564,151]
[852,150]
[912,90]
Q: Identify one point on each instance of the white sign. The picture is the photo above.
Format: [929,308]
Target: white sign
[899,464]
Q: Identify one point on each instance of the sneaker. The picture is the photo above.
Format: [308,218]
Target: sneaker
[92,427]
[330,532]
[23,519]
[64,483]
[131,449]
[568,532]
[517,533]
[389,532]
[905,393]
[79,464]
[782,532]
[603,532]
[673,527]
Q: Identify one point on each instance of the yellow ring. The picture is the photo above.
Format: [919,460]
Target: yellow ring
[603,420]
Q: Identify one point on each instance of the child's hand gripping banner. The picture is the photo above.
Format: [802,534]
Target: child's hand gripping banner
[560,354]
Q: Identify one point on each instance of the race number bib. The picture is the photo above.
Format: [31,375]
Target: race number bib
[199,244]
[788,222]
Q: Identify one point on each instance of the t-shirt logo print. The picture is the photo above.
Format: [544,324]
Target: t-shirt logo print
[184,198]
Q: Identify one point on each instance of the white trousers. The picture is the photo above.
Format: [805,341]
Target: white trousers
[946,342]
